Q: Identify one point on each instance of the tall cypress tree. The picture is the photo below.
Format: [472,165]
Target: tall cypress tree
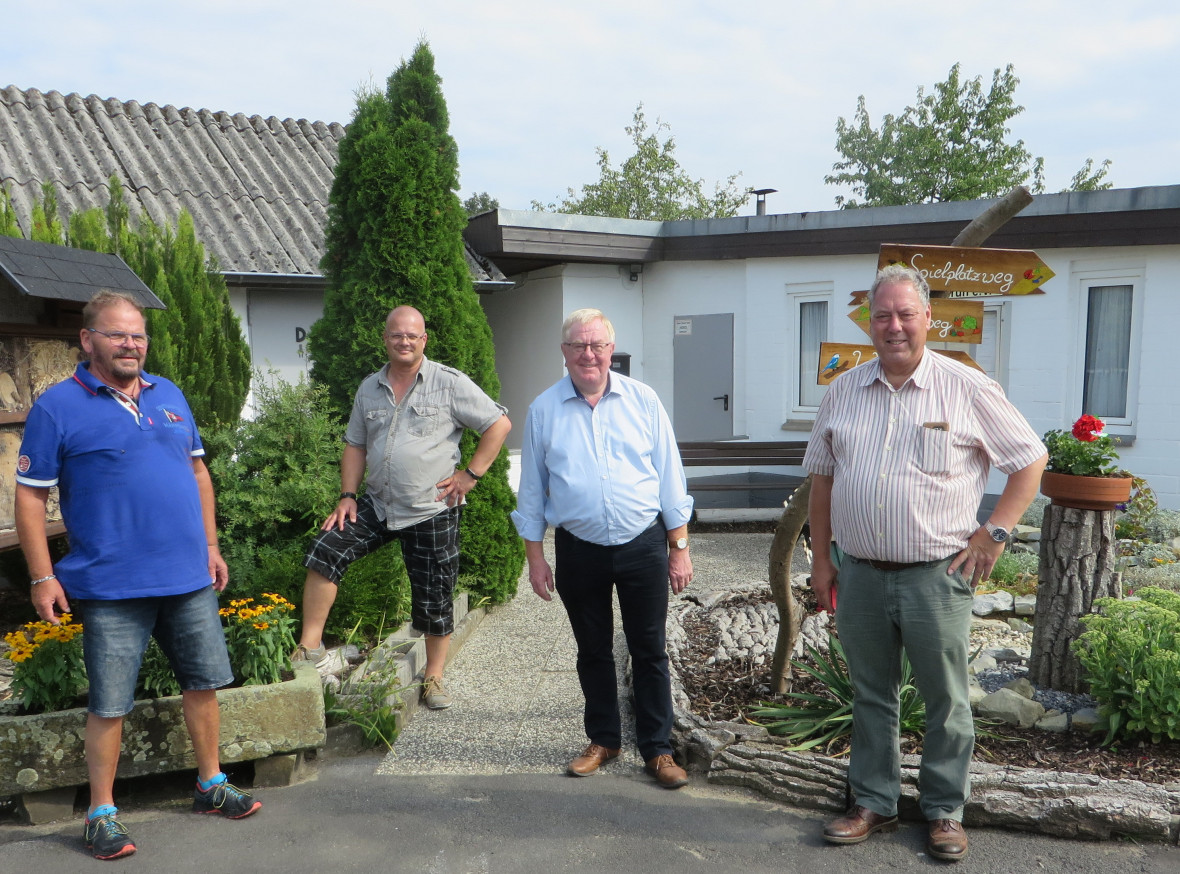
[197,341]
[394,237]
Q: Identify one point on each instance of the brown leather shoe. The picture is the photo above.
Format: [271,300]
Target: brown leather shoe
[947,840]
[669,774]
[856,826]
[592,757]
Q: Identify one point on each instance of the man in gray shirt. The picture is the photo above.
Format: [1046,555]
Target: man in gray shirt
[405,427]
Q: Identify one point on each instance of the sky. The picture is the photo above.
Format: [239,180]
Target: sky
[747,86]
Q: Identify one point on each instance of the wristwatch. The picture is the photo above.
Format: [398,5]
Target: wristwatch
[998,534]
[679,543]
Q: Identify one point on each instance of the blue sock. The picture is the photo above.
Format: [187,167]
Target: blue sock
[102,810]
[216,781]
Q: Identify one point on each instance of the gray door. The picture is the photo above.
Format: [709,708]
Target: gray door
[702,348]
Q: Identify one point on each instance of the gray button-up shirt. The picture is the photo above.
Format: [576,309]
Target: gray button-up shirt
[411,446]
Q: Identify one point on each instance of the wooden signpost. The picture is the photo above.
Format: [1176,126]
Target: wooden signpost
[964,272]
[837,358]
[952,320]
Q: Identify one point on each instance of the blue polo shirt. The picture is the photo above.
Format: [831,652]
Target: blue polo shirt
[124,473]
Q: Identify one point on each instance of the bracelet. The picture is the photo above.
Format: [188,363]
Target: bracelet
[43,579]
[475,476]
[344,495]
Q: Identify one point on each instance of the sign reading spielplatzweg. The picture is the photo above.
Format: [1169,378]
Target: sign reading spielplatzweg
[964,272]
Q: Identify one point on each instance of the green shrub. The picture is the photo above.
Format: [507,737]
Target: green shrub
[156,678]
[822,720]
[1155,554]
[1131,524]
[1163,526]
[1034,516]
[1130,652]
[1013,567]
[1164,576]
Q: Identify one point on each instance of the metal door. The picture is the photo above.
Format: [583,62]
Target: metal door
[702,348]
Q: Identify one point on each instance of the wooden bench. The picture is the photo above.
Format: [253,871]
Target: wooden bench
[740,453]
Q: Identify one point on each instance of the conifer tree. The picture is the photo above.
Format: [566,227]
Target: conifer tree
[395,236]
[197,341]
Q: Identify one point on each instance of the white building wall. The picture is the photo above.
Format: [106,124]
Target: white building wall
[1045,342]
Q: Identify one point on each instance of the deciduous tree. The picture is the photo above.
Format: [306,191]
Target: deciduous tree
[650,184]
[951,145]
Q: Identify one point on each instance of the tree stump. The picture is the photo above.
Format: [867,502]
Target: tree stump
[1078,555]
[790,611]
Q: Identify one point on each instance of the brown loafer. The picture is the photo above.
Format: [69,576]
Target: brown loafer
[592,757]
[856,826]
[947,840]
[669,774]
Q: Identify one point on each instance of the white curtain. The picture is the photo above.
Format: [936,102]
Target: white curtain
[813,330]
[1108,351]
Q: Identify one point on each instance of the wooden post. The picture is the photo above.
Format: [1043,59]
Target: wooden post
[1078,555]
[790,611]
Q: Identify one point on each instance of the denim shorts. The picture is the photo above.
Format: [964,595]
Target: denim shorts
[115,635]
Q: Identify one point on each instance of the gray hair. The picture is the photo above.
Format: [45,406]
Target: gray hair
[102,299]
[585,317]
[900,273]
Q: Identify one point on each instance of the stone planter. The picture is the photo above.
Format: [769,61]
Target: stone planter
[46,751]
[1085,492]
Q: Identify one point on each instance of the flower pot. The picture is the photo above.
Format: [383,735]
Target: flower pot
[1085,492]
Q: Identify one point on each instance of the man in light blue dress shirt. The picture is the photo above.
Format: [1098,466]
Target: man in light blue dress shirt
[600,464]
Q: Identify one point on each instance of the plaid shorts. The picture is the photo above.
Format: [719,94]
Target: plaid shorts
[430,550]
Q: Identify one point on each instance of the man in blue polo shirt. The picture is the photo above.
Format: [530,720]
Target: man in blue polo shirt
[137,502]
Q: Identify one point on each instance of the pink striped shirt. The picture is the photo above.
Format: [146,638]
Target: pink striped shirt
[903,491]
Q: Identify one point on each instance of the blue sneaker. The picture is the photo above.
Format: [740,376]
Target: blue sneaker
[107,838]
[225,798]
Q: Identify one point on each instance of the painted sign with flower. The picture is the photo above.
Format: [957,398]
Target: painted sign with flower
[1087,450]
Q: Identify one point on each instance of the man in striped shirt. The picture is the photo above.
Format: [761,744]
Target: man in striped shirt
[899,458]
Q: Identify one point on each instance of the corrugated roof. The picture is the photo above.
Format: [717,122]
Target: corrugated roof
[257,188]
[62,273]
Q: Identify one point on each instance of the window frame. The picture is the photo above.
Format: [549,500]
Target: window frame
[1084,280]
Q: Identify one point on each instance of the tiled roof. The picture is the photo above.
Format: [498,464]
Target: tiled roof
[62,273]
[257,188]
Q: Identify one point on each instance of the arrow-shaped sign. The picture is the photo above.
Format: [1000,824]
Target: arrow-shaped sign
[966,272]
[951,320]
[836,358]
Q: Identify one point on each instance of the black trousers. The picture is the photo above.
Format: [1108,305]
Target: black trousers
[638,571]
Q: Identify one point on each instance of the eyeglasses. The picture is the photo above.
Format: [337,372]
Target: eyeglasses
[399,337]
[579,348]
[120,338]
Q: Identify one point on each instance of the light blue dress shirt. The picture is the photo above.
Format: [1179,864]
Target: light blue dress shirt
[602,473]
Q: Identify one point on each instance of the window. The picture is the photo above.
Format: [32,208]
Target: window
[808,326]
[1108,351]
[813,330]
[1107,371]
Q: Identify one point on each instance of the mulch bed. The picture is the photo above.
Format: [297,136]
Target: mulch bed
[729,691]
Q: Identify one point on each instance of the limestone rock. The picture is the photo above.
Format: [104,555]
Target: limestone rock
[1011,707]
[1025,605]
[1020,626]
[992,602]
[1022,687]
[1054,720]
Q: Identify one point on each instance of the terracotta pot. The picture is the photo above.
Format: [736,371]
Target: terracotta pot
[1085,492]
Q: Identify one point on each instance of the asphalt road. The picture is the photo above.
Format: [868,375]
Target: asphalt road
[351,819]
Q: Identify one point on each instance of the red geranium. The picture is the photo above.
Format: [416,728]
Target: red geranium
[1088,429]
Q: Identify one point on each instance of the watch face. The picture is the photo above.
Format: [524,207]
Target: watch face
[682,543]
[999,535]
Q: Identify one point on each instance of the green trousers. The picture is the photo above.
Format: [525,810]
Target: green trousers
[927,613]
